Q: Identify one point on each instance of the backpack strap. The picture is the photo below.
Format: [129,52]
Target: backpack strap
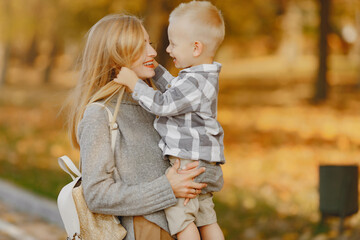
[69,167]
[112,124]
[65,199]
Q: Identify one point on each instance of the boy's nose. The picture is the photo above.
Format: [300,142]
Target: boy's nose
[168,49]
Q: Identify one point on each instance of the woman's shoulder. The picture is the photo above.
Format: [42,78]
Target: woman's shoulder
[93,120]
[95,113]
[96,109]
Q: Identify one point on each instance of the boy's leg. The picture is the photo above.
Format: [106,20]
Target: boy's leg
[191,232]
[206,219]
[211,232]
[181,217]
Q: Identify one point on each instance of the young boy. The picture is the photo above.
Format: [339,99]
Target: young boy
[186,108]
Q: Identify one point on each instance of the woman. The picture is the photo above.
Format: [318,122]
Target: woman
[130,182]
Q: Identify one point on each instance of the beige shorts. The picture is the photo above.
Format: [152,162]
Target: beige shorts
[199,210]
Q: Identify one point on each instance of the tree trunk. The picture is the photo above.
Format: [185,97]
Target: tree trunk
[321,85]
[156,23]
[5,64]
[31,52]
[357,42]
[163,57]
[50,66]
[7,48]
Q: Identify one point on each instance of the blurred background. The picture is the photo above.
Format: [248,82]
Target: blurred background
[289,102]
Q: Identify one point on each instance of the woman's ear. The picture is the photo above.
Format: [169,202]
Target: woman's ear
[198,48]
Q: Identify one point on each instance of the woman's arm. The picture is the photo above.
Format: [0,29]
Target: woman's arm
[103,194]
[182,182]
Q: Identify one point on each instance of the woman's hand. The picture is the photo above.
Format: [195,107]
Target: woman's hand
[182,182]
[127,77]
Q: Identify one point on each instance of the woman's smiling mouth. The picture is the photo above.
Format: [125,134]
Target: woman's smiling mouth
[149,64]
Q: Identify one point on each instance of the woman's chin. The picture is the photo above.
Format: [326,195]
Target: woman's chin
[148,74]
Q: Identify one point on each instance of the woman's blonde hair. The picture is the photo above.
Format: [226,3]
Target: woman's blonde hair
[113,42]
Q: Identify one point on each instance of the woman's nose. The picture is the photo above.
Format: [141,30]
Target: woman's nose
[152,52]
[168,49]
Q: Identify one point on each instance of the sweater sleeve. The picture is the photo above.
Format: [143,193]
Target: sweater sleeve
[102,193]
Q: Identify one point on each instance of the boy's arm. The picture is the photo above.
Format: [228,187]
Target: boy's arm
[213,177]
[177,100]
[185,97]
[128,77]
[162,78]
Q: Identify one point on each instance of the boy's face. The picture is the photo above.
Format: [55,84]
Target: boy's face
[180,45]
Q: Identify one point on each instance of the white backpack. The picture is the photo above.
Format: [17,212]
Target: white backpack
[108,227]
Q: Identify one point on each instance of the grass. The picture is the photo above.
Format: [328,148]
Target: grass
[32,137]
[45,182]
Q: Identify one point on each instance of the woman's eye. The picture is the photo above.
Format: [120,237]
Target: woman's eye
[150,43]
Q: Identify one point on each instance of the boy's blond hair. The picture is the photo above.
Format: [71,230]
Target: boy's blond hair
[205,22]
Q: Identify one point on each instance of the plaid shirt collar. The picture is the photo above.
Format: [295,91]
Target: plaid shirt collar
[215,67]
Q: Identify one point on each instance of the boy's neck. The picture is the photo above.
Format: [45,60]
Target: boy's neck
[208,60]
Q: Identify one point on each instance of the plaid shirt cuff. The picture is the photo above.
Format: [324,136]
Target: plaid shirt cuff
[162,78]
[140,87]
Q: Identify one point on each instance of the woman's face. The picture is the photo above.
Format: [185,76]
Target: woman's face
[144,66]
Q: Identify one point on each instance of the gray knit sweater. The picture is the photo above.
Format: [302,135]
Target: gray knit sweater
[134,183]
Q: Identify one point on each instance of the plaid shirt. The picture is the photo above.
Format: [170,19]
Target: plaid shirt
[186,109]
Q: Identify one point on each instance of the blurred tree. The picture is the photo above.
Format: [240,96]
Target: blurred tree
[54,52]
[357,43]
[6,13]
[5,63]
[321,84]
[291,44]
[41,30]
[254,25]
[32,52]
[156,22]
[156,16]
[53,36]
[34,25]
[67,23]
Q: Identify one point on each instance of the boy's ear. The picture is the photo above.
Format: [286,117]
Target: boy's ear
[198,48]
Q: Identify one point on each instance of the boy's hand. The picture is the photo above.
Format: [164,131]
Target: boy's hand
[127,77]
